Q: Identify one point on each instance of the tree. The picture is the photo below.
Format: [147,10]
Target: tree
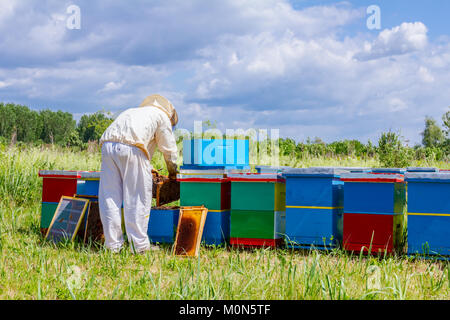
[287,146]
[7,120]
[433,135]
[391,152]
[56,126]
[92,126]
[19,123]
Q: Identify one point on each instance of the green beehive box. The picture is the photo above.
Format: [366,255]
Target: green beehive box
[258,192]
[47,212]
[256,224]
[214,195]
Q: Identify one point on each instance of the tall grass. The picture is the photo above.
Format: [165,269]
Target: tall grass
[32,269]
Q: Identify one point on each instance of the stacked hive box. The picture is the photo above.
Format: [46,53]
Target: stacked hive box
[55,184]
[428,213]
[58,183]
[203,181]
[210,188]
[314,204]
[258,209]
[374,207]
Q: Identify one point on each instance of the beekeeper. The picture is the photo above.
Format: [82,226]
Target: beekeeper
[127,146]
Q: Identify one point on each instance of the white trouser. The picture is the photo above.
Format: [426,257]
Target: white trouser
[126,177]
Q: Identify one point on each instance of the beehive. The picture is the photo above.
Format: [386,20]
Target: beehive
[210,188]
[314,206]
[258,209]
[428,213]
[374,206]
[55,184]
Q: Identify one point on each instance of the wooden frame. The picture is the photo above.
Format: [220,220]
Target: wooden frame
[86,205]
[92,200]
[189,213]
[88,211]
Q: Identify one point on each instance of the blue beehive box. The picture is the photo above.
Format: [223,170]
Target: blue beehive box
[373,193]
[222,153]
[88,183]
[162,225]
[428,213]
[314,203]
[217,227]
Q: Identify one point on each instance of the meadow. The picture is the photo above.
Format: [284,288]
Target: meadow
[33,269]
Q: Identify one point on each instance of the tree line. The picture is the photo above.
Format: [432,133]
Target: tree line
[20,124]
[391,150]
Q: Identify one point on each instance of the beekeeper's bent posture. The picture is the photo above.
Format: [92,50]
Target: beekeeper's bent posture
[128,145]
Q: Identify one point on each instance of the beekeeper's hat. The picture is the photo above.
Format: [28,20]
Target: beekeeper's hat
[158,101]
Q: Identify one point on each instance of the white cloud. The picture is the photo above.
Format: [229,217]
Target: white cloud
[86,84]
[7,8]
[396,104]
[4,84]
[112,86]
[406,38]
[426,75]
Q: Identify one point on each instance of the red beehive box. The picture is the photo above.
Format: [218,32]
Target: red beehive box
[364,231]
[58,183]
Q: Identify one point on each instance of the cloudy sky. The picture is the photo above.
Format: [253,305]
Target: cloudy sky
[309,68]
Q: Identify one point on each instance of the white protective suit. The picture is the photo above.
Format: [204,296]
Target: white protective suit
[128,145]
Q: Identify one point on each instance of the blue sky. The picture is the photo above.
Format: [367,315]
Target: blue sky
[309,68]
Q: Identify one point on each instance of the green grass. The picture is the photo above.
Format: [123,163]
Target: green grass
[33,269]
